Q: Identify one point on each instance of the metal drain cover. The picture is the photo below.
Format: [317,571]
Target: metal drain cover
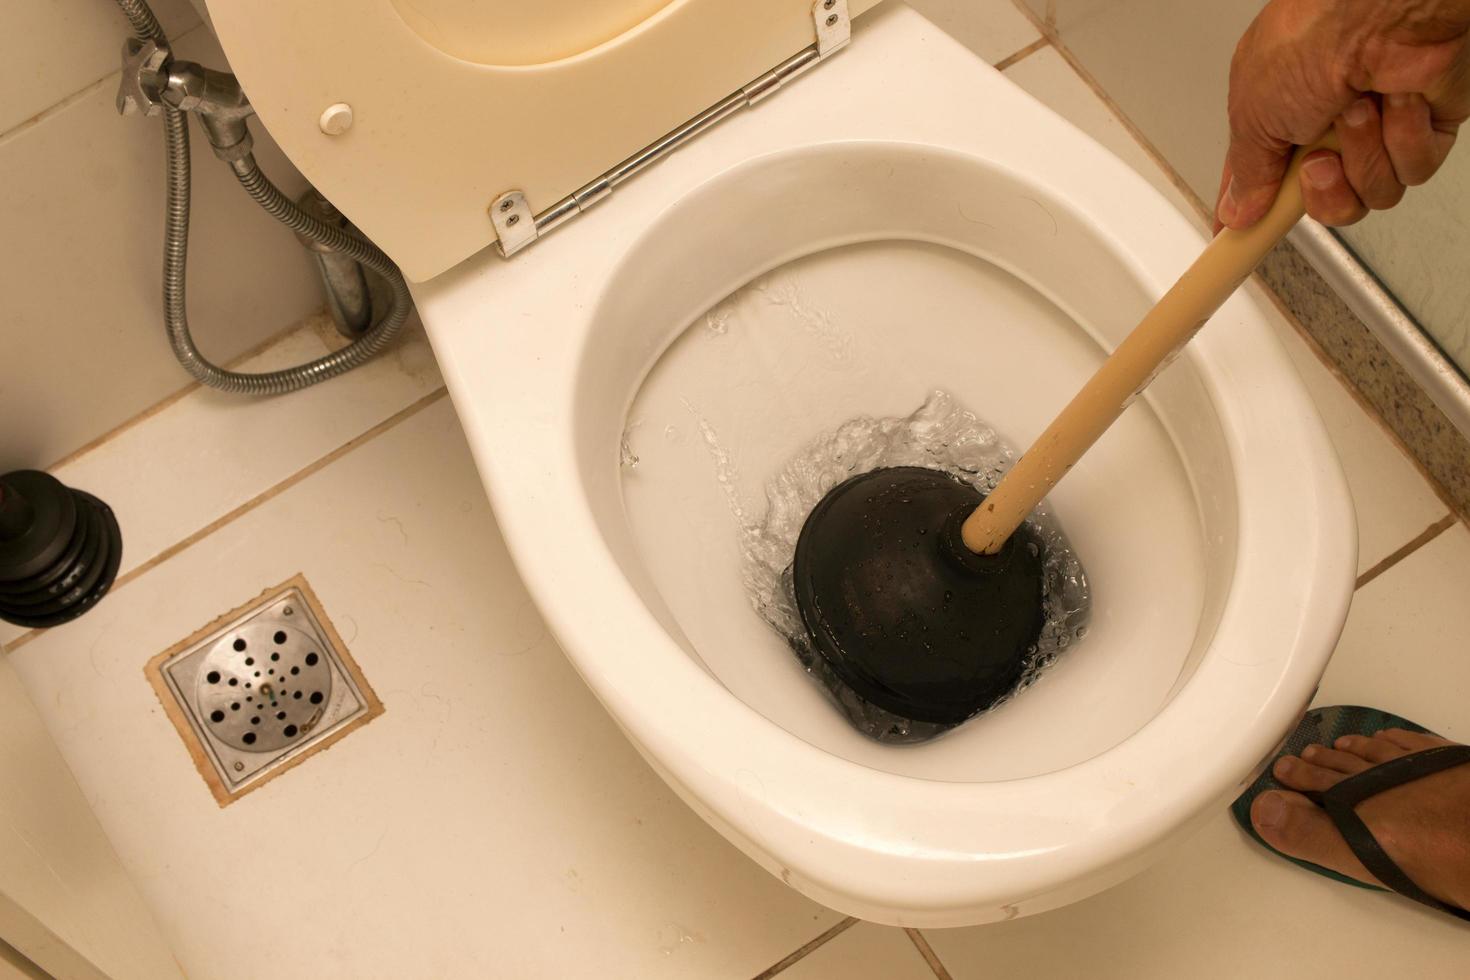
[262,686]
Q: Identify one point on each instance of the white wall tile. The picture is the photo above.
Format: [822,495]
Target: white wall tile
[82,208]
[59,47]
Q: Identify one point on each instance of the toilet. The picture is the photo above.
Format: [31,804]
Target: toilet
[889,218]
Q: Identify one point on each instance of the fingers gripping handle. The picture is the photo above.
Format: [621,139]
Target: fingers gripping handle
[1183,310]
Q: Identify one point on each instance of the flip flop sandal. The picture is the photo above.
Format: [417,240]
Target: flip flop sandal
[1324,726]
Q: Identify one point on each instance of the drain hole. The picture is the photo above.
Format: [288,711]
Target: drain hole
[316,697]
[216,715]
[311,660]
[255,720]
[295,670]
[276,656]
[271,671]
[280,716]
[280,638]
[247,684]
[249,661]
[234,681]
[248,738]
[212,677]
[235,706]
[290,731]
[239,645]
[297,695]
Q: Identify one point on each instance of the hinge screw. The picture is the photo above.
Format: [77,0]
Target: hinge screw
[831,20]
[513,219]
[507,204]
[828,4]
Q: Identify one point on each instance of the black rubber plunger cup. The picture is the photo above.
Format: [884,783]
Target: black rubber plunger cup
[59,550]
[907,616]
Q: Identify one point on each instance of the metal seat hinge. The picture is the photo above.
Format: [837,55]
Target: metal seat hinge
[834,25]
[517,226]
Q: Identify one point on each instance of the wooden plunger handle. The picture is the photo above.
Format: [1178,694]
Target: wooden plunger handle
[1179,315]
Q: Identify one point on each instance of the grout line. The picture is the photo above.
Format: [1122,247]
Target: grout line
[1424,537]
[1051,13]
[193,386]
[188,542]
[810,947]
[1023,54]
[927,951]
[1206,216]
[59,106]
[71,99]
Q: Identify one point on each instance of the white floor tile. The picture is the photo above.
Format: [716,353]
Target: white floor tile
[1221,906]
[492,822]
[204,455]
[864,952]
[1407,644]
[1047,76]
[993,29]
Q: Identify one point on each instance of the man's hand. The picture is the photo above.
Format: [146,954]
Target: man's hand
[1393,78]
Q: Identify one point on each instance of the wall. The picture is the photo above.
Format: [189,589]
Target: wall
[1166,64]
[81,221]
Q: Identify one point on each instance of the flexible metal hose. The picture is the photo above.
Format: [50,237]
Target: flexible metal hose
[277,205]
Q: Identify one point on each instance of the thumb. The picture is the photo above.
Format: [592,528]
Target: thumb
[1256,163]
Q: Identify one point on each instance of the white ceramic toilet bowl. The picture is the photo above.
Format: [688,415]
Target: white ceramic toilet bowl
[913,221]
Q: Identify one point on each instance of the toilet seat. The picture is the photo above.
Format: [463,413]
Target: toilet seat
[447,115]
[542,383]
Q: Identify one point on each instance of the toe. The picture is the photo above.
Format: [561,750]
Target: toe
[1297,827]
[1300,774]
[1374,749]
[1342,762]
[1411,741]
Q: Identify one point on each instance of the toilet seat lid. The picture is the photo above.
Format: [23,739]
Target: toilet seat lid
[454,102]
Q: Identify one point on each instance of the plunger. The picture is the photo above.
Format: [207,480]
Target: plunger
[925,595]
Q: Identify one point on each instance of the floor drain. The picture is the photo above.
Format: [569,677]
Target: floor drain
[260,688]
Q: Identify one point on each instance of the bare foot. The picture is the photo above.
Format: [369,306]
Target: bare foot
[1423,825]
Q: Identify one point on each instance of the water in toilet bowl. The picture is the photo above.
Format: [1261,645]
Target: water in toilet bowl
[941,435]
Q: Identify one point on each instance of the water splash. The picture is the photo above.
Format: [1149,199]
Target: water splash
[939,435]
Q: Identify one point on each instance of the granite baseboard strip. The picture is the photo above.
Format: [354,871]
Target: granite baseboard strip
[1398,397]
[1394,328]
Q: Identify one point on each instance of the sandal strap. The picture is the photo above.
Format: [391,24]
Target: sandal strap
[1340,800]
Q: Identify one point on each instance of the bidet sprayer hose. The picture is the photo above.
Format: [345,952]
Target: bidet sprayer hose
[176,248]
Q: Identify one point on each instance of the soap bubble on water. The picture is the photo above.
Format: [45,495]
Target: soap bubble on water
[939,435]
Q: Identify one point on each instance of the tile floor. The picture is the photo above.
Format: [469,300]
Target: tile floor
[451,836]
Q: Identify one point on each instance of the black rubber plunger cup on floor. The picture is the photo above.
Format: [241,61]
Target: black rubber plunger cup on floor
[59,550]
[927,603]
